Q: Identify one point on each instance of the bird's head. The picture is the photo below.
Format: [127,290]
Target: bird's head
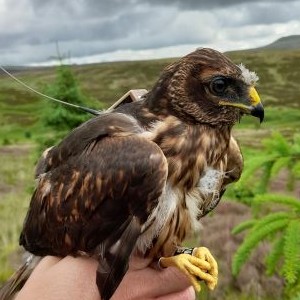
[207,87]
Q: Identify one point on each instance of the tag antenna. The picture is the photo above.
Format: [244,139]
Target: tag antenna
[85,109]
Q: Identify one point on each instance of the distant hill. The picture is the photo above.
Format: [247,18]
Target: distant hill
[288,42]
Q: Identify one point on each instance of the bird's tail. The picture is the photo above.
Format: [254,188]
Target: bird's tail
[113,263]
[15,283]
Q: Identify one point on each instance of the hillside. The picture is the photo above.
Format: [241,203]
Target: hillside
[103,83]
[288,42]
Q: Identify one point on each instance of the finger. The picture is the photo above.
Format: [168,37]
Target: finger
[78,277]
[47,262]
[68,278]
[150,283]
[172,280]
[187,294]
[43,267]
[77,264]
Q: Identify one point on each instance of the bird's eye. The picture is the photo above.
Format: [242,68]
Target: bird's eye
[218,86]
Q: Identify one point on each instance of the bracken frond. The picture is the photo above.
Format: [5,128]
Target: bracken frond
[278,199]
[279,164]
[274,255]
[291,250]
[296,169]
[277,144]
[293,292]
[252,165]
[296,297]
[271,217]
[259,232]
[243,226]
[263,182]
[295,147]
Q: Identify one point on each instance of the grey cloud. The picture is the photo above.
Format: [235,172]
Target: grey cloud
[87,27]
[277,13]
[109,17]
[259,13]
[54,28]
[111,6]
[87,7]
[209,4]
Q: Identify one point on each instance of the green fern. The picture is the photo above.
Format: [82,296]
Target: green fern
[293,292]
[278,154]
[295,147]
[289,201]
[266,220]
[296,169]
[291,266]
[260,231]
[275,255]
[251,166]
[296,297]
[283,227]
[279,164]
[243,226]
[277,144]
[262,183]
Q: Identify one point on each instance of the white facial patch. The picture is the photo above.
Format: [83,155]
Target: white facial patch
[249,77]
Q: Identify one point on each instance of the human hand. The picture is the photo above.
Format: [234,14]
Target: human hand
[75,279]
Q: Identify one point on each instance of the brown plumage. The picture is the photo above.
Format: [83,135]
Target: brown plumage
[141,177]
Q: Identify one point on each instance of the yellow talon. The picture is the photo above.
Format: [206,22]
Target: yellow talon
[199,266]
[204,254]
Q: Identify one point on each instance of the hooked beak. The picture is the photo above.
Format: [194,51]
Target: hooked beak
[256,108]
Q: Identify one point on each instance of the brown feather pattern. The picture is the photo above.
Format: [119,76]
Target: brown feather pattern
[144,173]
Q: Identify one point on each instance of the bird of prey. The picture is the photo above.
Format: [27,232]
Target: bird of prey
[139,178]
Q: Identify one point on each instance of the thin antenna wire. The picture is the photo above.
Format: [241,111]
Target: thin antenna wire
[86,109]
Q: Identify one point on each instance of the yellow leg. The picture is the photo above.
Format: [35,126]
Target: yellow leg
[199,266]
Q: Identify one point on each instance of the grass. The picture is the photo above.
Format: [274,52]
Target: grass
[16,169]
[21,111]
[12,212]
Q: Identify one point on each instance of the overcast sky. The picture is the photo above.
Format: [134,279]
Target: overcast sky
[98,30]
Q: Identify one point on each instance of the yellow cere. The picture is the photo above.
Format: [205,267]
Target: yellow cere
[255,99]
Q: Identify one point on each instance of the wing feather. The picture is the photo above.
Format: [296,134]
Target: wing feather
[103,176]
